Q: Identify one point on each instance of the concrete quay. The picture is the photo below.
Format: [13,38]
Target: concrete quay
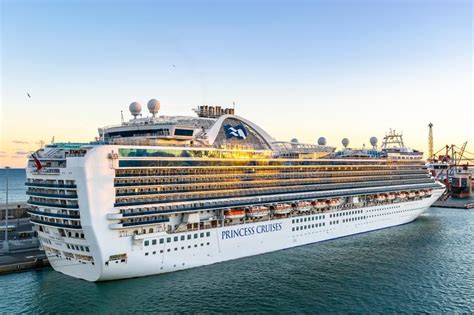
[455,203]
[22,261]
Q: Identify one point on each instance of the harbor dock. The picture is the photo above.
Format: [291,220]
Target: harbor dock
[23,260]
[455,203]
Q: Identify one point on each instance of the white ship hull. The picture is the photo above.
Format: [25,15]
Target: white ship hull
[236,241]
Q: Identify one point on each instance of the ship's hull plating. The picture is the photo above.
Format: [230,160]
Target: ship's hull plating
[236,241]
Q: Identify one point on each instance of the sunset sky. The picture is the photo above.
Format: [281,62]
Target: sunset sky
[299,69]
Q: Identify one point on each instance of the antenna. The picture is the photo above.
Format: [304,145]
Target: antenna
[121,115]
[233,105]
[52,140]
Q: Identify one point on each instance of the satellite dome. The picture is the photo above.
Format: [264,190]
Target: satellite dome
[294,140]
[153,106]
[135,109]
[345,142]
[373,141]
[322,141]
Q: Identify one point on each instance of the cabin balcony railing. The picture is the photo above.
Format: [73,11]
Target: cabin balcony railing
[31,184]
[55,205]
[250,185]
[139,223]
[48,171]
[61,196]
[54,224]
[225,204]
[275,190]
[54,215]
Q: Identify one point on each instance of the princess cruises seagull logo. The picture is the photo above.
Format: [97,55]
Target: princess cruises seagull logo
[237,131]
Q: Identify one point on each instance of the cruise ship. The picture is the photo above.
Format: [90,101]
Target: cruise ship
[158,194]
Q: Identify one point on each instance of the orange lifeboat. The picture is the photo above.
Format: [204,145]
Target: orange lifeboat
[421,193]
[234,214]
[320,204]
[258,211]
[402,195]
[334,202]
[411,194]
[304,206]
[391,197]
[428,192]
[381,197]
[282,208]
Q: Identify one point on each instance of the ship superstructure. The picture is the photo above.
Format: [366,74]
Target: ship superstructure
[164,193]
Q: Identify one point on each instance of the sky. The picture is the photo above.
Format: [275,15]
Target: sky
[298,69]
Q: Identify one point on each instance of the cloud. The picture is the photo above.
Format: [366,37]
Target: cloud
[2,152]
[20,142]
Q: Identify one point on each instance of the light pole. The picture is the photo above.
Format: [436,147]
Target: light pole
[6,247]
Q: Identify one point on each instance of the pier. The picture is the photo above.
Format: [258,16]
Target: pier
[455,203]
[21,251]
[17,261]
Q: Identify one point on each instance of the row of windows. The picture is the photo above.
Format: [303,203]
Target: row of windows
[177,238]
[393,212]
[353,219]
[310,226]
[201,153]
[176,249]
[382,209]
[313,218]
[53,202]
[233,170]
[59,182]
[274,175]
[70,234]
[78,247]
[252,184]
[334,222]
[203,195]
[252,162]
[345,213]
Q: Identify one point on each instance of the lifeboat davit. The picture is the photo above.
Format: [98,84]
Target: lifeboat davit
[402,195]
[411,194]
[304,206]
[428,192]
[258,211]
[234,214]
[282,208]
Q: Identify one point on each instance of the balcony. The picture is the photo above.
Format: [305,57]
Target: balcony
[61,196]
[141,223]
[54,224]
[54,215]
[29,184]
[55,205]
[207,195]
[250,201]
